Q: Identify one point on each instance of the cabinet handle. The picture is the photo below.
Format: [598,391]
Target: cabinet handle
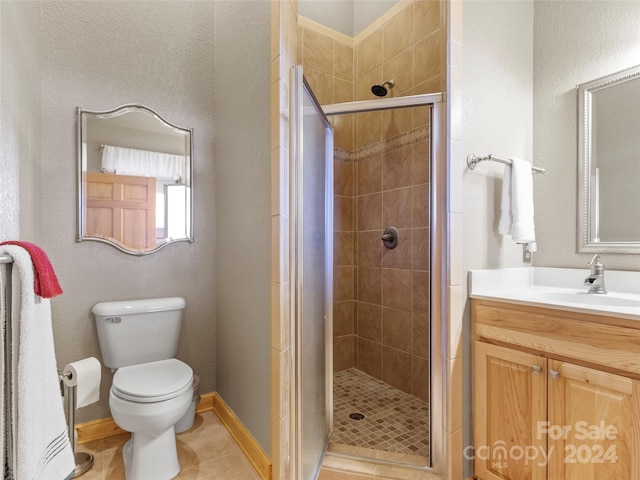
[537,369]
[554,374]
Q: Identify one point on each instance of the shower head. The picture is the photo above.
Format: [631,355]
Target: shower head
[380,90]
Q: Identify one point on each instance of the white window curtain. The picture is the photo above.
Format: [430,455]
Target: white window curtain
[143,163]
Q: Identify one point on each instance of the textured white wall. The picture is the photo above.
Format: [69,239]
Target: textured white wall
[497,118]
[99,55]
[242,101]
[19,117]
[574,42]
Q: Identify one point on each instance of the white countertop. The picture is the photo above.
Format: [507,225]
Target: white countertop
[560,288]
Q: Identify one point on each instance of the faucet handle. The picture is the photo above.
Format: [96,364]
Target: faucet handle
[594,260]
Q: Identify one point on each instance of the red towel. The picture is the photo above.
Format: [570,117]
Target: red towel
[46,282]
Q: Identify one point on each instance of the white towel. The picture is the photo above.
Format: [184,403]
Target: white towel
[504,225]
[516,207]
[42,447]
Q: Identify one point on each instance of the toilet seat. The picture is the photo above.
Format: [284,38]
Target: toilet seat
[153,381]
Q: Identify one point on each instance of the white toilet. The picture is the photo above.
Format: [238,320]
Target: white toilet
[151,390]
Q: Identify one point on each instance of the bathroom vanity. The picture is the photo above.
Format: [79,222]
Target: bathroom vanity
[556,376]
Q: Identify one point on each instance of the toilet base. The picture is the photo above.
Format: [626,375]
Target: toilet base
[148,457]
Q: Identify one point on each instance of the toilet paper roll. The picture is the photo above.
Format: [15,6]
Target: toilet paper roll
[85,376]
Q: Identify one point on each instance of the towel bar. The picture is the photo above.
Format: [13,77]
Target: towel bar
[473,160]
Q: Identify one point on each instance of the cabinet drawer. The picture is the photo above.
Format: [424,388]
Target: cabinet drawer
[615,348]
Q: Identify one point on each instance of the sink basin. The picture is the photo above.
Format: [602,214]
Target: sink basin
[583,298]
[559,288]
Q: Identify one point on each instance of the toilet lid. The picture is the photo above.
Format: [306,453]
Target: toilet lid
[153,381]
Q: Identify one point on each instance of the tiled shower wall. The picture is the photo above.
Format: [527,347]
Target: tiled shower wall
[381,179]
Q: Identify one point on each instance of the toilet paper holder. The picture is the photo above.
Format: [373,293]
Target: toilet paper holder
[83,460]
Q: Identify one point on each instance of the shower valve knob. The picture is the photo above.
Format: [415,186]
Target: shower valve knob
[390,237]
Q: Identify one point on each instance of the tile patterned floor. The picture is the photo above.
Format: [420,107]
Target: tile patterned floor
[205,452]
[393,421]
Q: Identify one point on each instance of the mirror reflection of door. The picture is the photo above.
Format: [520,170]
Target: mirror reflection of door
[135,179]
[122,208]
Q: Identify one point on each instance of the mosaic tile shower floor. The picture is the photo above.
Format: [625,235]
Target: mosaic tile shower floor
[394,421]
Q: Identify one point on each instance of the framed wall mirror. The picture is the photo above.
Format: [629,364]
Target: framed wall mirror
[135,189]
[609,164]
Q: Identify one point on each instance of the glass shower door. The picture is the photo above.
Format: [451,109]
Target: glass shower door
[311,275]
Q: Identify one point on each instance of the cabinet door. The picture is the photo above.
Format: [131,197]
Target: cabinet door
[594,424]
[509,401]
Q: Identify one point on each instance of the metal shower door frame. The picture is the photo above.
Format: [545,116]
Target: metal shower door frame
[439,257]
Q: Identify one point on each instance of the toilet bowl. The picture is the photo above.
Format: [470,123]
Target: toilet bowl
[151,390]
[148,400]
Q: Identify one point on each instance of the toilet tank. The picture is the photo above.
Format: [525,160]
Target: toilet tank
[138,331]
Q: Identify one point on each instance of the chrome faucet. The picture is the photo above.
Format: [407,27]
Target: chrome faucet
[595,281]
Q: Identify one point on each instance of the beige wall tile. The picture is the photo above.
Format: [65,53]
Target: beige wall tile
[421,335]
[343,61]
[421,206]
[368,129]
[456,317]
[398,32]
[343,178]
[426,17]
[343,247]
[370,212]
[397,289]
[396,369]
[420,378]
[397,121]
[343,283]
[397,329]
[342,90]
[420,158]
[420,292]
[369,53]
[369,249]
[280,332]
[369,321]
[400,257]
[365,81]
[343,214]
[369,285]
[281,379]
[321,84]
[317,51]
[369,357]
[344,318]
[421,254]
[427,55]
[433,85]
[397,167]
[369,173]
[455,395]
[343,133]
[400,68]
[343,353]
[397,208]
[455,459]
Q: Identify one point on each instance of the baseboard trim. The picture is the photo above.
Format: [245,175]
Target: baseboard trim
[106,427]
[97,430]
[252,450]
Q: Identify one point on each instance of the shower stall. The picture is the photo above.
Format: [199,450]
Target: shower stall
[382,263]
[368,368]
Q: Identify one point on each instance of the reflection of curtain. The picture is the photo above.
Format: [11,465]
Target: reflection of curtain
[142,163]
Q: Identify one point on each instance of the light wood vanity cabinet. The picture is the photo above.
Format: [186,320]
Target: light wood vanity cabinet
[556,395]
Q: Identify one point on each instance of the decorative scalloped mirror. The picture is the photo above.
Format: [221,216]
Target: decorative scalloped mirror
[609,164]
[134,179]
